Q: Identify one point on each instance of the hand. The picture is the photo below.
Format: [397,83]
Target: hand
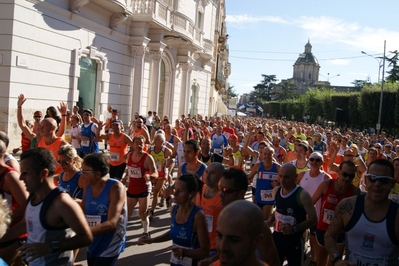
[179,252]
[100,125]
[109,109]
[21,100]
[15,150]
[286,229]
[63,108]
[31,251]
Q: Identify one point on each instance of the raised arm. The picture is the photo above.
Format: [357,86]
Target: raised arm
[21,123]
[63,110]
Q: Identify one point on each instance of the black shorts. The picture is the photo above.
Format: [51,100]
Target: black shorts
[320,237]
[117,171]
[136,196]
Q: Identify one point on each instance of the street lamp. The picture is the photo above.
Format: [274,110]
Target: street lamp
[328,76]
[379,63]
[378,126]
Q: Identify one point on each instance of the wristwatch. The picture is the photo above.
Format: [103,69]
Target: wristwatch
[55,246]
[335,257]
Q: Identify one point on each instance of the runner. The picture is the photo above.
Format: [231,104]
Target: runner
[379,244]
[104,203]
[54,221]
[330,193]
[118,142]
[140,170]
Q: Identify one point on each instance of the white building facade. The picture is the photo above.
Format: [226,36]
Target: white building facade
[167,56]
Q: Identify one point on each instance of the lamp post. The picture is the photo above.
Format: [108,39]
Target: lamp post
[379,63]
[328,76]
[378,126]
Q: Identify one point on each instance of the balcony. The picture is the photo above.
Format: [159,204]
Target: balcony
[156,12]
[114,6]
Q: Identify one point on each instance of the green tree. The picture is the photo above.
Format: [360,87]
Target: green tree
[264,89]
[393,73]
[359,84]
[287,92]
[231,92]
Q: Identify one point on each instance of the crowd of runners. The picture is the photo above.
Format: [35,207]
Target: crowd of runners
[333,188]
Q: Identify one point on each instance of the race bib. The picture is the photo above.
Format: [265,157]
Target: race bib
[328,215]
[283,219]
[93,220]
[267,195]
[85,143]
[268,176]
[114,156]
[209,222]
[134,172]
[159,165]
[183,261]
[236,161]
[367,260]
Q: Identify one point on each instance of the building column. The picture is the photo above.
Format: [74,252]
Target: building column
[139,54]
[184,88]
[155,76]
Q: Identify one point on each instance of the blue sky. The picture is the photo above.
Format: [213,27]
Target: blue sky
[266,37]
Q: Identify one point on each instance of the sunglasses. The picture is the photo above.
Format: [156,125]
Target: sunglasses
[227,190]
[37,116]
[345,174]
[63,162]
[349,155]
[318,160]
[382,179]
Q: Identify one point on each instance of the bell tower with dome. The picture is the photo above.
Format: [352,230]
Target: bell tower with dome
[306,68]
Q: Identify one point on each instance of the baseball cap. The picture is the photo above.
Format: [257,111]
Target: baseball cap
[240,134]
[88,111]
[116,122]
[114,110]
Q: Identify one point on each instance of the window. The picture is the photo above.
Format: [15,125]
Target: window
[87,83]
[198,23]
[310,76]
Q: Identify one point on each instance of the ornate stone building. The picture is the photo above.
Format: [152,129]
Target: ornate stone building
[169,56]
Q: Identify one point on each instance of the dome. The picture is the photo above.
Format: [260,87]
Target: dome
[307,57]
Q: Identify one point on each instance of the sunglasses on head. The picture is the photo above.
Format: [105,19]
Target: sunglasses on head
[318,160]
[345,174]
[227,190]
[382,179]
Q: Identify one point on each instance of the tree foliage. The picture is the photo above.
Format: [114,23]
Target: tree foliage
[264,89]
[287,91]
[393,73]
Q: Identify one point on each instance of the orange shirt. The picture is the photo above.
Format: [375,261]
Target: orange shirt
[211,208]
[117,149]
[53,147]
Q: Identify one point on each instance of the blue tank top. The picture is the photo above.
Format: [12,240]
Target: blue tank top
[96,210]
[183,234]
[199,172]
[71,186]
[90,146]
[172,139]
[319,148]
[264,188]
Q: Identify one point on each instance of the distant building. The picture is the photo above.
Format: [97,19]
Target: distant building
[306,73]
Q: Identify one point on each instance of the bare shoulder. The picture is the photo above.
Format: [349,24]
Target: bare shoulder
[346,206]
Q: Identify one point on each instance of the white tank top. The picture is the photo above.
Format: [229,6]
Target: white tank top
[310,184]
